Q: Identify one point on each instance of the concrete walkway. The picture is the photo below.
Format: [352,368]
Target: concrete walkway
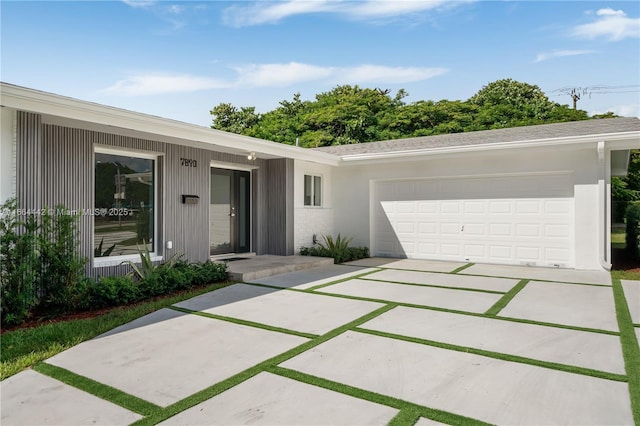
[418,342]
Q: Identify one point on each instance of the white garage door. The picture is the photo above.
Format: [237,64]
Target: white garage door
[507,219]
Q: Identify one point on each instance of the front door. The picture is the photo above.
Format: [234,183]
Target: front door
[229,212]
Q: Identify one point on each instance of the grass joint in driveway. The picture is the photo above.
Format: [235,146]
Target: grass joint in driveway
[207,393]
[504,300]
[108,393]
[498,355]
[630,349]
[462,268]
[245,322]
[411,410]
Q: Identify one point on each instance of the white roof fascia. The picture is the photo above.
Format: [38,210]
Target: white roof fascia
[30,100]
[620,140]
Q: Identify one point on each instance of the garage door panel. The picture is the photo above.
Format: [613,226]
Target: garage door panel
[450,228]
[528,230]
[430,228]
[501,229]
[559,255]
[528,207]
[500,207]
[476,250]
[450,207]
[555,207]
[450,249]
[557,231]
[475,220]
[427,248]
[474,207]
[475,229]
[427,207]
[501,252]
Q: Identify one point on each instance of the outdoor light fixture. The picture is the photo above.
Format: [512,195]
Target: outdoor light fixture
[251,156]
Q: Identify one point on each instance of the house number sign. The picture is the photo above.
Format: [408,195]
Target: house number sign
[188,162]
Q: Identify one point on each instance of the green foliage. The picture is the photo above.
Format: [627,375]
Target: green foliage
[144,228]
[112,291]
[18,264]
[337,248]
[351,114]
[41,263]
[146,267]
[230,119]
[97,252]
[633,229]
[61,269]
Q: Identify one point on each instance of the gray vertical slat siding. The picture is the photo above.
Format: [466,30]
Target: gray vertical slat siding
[28,160]
[56,166]
[279,206]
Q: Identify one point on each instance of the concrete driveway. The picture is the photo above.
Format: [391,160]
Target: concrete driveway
[375,341]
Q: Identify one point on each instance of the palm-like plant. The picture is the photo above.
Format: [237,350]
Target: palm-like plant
[146,267]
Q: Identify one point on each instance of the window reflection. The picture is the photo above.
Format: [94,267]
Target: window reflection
[124,204]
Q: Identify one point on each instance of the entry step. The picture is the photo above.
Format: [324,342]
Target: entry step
[256,267]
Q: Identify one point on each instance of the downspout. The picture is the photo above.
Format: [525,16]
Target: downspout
[603,203]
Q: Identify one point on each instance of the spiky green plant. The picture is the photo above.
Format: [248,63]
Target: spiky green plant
[146,268]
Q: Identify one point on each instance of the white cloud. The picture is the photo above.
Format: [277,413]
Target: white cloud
[271,75]
[159,83]
[614,25]
[544,56]
[380,74]
[266,12]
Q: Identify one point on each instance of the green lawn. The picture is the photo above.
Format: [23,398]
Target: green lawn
[618,238]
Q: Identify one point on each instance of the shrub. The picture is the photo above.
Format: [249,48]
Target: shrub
[18,264]
[209,272]
[337,248]
[112,291]
[61,268]
[633,229]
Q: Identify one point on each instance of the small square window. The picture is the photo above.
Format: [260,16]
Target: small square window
[312,190]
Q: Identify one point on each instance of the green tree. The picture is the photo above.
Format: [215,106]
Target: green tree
[351,114]
[231,119]
[509,103]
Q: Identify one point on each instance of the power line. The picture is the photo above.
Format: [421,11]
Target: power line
[576,92]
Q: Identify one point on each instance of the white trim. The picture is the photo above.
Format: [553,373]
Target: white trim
[102,262]
[373,157]
[232,166]
[158,245]
[111,150]
[313,190]
[604,208]
[40,102]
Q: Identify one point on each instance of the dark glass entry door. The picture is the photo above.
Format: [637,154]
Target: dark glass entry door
[229,211]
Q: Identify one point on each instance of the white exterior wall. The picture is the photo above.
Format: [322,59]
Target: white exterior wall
[309,220]
[7,154]
[352,187]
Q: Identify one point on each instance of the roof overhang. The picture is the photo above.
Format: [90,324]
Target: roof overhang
[614,141]
[25,99]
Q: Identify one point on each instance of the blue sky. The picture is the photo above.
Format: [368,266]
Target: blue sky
[179,59]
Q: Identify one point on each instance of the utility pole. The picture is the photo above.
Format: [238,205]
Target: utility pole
[575,96]
[576,92]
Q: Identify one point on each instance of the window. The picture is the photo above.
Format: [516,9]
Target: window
[124,211]
[312,190]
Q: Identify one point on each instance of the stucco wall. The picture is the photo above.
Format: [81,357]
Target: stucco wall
[310,220]
[352,187]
